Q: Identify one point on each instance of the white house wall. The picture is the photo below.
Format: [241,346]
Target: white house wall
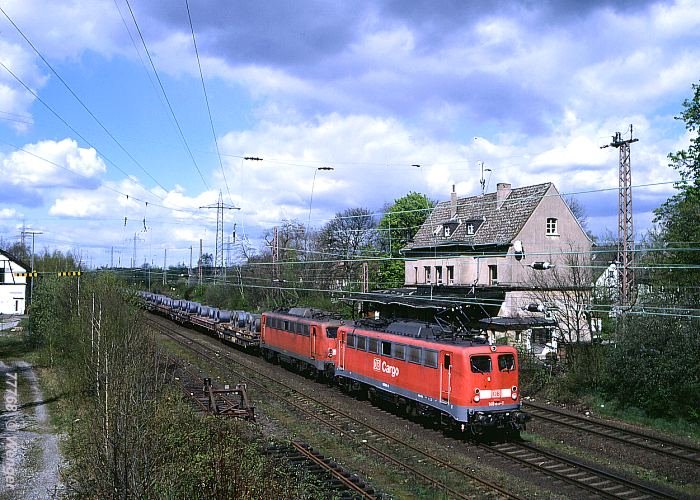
[12,288]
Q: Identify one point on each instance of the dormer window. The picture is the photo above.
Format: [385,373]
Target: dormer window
[552,226]
[470,228]
[447,230]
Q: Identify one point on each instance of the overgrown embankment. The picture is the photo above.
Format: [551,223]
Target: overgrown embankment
[128,432]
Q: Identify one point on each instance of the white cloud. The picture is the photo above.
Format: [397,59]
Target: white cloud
[8,213]
[52,164]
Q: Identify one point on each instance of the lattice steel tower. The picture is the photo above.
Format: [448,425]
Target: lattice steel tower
[219,244]
[625,227]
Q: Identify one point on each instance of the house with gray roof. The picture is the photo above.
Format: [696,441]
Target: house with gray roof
[501,241]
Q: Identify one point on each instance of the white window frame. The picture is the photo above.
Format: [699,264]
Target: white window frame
[552,227]
[470,228]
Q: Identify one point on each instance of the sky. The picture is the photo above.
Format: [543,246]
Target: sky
[119,119]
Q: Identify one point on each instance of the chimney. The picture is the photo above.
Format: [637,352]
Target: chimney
[453,204]
[502,192]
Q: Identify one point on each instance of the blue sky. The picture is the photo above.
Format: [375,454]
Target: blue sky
[370,88]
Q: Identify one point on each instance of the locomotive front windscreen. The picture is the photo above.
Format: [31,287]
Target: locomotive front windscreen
[506,362]
[481,364]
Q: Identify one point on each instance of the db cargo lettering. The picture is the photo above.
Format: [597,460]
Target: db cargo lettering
[385,367]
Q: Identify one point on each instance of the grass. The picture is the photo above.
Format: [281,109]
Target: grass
[678,427]
[13,347]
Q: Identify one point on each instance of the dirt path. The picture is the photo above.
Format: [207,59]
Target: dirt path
[29,449]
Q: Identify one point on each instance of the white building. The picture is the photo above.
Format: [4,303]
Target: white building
[13,288]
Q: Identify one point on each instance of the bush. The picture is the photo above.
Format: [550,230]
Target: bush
[654,365]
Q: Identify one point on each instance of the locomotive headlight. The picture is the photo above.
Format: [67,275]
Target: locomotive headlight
[477,398]
[514,392]
[476,390]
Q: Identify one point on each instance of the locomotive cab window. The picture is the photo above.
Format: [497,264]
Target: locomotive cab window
[331,332]
[431,358]
[285,325]
[506,362]
[448,362]
[399,351]
[481,364]
[351,340]
[373,346]
[305,330]
[361,343]
[386,349]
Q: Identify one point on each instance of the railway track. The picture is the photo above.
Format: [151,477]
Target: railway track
[337,482]
[377,441]
[583,476]
[593,479]
[630,437]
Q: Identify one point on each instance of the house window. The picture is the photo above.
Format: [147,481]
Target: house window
[541,336]
[611,274]
[438,275]
[415,273]
[552,225]
[470,228]
[447,231]
[493,275]
[426,269]
[450,275]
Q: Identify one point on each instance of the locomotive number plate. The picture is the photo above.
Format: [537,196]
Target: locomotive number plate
[496,393]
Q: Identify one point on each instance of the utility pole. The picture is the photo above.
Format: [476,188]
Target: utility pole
[625,229]
[200,261]
[165,260]
[365,277]
[219,243]
[189,271]
[31,286]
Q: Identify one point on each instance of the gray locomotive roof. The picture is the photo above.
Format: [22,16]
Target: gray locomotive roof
[495,226]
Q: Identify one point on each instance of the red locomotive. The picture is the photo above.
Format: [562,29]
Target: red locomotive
[422,371]
[302,337]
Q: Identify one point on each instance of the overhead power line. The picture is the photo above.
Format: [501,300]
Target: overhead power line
[85,107]
[167,100]
[206,99]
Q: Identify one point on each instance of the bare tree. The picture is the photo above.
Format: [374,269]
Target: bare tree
[564,292]
[349,235]
[579,210]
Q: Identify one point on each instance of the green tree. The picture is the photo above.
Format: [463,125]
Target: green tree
[678,218]
[397,227]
